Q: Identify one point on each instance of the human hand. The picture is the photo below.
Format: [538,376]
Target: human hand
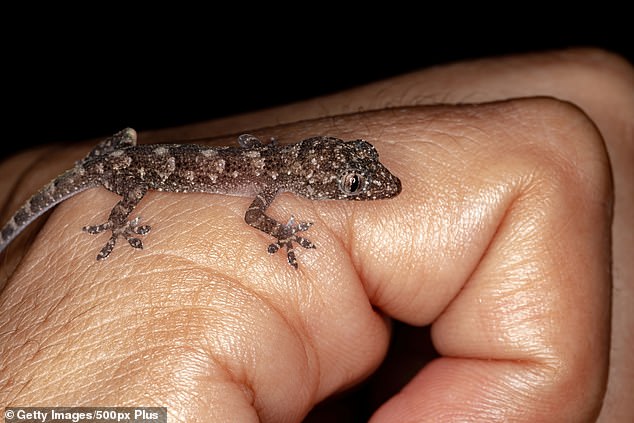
[499,240]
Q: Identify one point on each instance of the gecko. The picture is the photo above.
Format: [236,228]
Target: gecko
[317,168]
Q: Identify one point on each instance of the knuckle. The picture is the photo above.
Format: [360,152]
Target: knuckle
[563,147]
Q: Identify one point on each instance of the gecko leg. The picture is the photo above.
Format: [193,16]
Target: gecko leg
[119,224]
[286,234]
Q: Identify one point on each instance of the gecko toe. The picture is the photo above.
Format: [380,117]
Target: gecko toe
[287,244]
[304,242]
[303,226]
[142,230]
[97,229]
[107,249]
[135,243]
[292,260]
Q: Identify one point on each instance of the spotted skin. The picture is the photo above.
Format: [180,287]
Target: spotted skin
[318,168]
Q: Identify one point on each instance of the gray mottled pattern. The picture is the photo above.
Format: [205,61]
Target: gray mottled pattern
[319,168]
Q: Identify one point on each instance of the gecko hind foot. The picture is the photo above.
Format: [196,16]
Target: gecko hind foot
[127,231]
[287,237]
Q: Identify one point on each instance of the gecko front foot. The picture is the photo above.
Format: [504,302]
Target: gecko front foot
[127,231]
[287,235]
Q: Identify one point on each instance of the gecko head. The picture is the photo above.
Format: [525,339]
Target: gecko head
[349,170]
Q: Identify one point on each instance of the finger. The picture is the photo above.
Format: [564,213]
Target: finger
[509,290]
[599,83]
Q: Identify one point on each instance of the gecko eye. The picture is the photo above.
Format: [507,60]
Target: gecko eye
[352,183]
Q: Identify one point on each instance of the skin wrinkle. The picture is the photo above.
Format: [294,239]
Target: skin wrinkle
[298,334]
[527,229]
[223,365]
[509,207]
[457,134]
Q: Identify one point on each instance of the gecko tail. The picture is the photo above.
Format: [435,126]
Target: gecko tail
[66,185]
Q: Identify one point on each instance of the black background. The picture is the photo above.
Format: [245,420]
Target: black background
[93,74]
